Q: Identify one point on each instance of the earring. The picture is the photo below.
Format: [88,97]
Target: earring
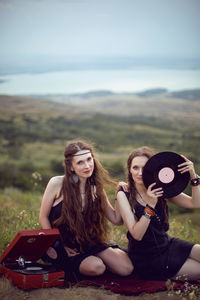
[74,178]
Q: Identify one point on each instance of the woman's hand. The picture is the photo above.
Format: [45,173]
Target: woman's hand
[154,194]
[71,252]
[122,185]
[187,166]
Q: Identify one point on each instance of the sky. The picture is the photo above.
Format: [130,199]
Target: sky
[112,28]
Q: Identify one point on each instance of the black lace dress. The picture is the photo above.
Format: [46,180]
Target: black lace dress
[70,264]
[157,256]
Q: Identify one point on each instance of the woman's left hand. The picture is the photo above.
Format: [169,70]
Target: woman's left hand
[71,252]
[187,166]
[122,185]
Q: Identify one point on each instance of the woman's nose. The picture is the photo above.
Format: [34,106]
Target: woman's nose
[86,165]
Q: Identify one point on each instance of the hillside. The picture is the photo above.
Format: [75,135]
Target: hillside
[17,105]
[182,106]
[33,132]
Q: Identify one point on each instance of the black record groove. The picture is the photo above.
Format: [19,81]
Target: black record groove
[162,168]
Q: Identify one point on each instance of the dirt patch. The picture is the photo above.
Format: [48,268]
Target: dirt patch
[8,292]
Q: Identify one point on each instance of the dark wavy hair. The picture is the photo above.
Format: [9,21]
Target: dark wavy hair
[147,152]
[88,226]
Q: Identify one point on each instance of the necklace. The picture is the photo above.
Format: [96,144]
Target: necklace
[141,198]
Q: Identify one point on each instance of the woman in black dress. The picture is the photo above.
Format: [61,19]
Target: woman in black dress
[78,206]
[156,255]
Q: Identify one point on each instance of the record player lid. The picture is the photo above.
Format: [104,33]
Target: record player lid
[30,244]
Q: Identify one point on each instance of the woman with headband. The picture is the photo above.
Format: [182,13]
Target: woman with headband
[78,206]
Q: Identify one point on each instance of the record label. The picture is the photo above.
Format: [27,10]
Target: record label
[162,168]
[166,175]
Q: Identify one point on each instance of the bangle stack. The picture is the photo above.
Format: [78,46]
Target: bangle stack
[195,181]
[149,211]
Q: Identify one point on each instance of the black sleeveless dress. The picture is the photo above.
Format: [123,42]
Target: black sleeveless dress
[157,256]
[70,264]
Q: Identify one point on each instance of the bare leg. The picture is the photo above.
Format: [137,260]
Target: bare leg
[117,261]
[189,271]
[191,268]
[195,253]
[92,266]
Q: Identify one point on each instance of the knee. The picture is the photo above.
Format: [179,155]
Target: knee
[126,269]
[94,267]
[97,268]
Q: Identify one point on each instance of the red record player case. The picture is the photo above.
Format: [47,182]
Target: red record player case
[19,264]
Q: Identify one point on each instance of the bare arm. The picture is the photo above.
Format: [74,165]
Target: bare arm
[137,228]
[112,214]
[186,201]
[182,199]
[51,191]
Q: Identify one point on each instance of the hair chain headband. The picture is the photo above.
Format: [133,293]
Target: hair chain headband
[82,153]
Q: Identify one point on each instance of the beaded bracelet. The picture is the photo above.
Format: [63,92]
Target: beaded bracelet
[147,215]
[149,210]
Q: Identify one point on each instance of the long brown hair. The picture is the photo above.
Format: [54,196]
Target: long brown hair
[88,226]
[147,152]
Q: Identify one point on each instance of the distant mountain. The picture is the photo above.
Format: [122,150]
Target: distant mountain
[91,94]
[152,92]
[193,95]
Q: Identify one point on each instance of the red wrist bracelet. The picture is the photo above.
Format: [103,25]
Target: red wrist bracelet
[149,210]
[195,181]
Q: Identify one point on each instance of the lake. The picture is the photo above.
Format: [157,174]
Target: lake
[68,82]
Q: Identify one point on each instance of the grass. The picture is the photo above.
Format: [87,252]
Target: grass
[20,210]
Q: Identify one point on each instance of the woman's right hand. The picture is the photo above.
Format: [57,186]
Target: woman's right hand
[71,252]
[154,194]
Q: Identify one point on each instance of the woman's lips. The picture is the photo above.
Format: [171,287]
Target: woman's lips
[87,172]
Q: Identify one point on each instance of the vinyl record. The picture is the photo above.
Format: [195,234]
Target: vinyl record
[162,168]
[31,271]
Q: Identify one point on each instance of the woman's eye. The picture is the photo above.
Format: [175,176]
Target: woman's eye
[89,158]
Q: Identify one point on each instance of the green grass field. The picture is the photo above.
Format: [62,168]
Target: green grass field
[20,210]
[33,134]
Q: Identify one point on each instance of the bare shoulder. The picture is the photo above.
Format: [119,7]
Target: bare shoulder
[56,181]
[121,194]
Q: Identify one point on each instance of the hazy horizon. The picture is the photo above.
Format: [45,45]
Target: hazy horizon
[39,64]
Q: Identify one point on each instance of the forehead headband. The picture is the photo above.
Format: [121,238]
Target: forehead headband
[82,153]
